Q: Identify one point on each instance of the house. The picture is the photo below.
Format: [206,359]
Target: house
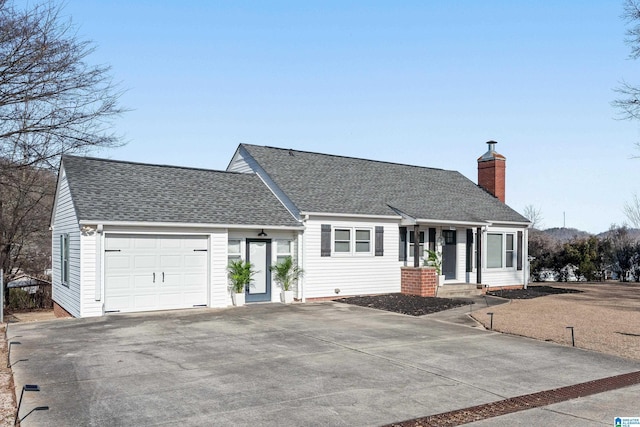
[134,237]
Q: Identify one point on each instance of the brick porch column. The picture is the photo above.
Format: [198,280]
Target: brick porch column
[421,281]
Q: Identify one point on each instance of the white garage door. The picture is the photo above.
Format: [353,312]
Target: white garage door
[145,273]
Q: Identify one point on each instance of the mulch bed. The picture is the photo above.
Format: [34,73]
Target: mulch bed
[532,292]
[412,305]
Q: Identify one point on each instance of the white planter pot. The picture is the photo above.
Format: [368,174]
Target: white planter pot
[441,280]
[238,299]
[286,297]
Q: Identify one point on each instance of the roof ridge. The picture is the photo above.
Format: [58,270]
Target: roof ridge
[348,157]
[128,162]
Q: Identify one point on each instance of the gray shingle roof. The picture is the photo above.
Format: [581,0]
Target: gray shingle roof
[335,184]
[107,190]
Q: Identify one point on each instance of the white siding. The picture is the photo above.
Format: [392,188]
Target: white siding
[239,164]
[274,236]
[65,221]
[88,304]
[352,274]
[219,289]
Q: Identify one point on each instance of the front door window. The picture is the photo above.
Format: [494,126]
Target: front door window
[259,255]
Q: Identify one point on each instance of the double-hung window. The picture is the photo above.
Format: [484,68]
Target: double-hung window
[64,259]
[363,241]
[342,240]
[501,250]
[284,249]
[234,250]
[352,241]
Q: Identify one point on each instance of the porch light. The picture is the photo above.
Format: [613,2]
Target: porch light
[440,240]
[262,233]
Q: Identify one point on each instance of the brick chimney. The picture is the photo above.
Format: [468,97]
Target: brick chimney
[491,171]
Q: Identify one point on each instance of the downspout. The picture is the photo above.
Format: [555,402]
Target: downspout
[302,260]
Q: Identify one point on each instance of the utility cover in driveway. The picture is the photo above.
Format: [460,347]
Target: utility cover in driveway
[144,273]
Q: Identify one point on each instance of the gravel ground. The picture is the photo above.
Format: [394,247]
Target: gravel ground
[7,402]
[605,317]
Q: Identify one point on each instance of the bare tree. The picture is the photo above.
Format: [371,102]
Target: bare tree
[629,101]
[52,101]
[534,215]
[632,211]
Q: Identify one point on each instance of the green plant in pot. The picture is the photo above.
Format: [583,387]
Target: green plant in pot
[286,273]
[434,259]
[240,276]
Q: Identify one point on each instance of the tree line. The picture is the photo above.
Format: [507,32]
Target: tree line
[611,255]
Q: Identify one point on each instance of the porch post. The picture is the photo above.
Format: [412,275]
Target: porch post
[416,245]
[479,255]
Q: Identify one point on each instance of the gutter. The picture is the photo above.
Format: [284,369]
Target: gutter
[189,225]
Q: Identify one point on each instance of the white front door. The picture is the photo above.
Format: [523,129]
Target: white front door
[152,272]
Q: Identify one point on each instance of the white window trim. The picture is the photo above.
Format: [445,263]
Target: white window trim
[64,259]
[352,241]
[514,252]
[282,254]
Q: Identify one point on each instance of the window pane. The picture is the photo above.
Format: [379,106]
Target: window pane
[411,236]
[494,250]
[234,246]
[284,246]
[343,234]
[363,247]
[281,259]
[341,247]
[509,242]
[509,252]
[363,235]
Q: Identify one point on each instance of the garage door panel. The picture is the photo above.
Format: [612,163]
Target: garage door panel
[145,242]
[129,284]
[145,302]
[145,261]
[195,260]
[171,261]
[113,262]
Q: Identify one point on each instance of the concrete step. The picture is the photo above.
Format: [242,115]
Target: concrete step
[458,290]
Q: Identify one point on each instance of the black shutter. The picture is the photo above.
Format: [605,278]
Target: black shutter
[469,250]
[432,239]
[379,241]
[520,249]
[402,249]
[325,240]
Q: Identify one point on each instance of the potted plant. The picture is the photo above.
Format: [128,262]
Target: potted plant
[286,273]
[434,259]
[240,275]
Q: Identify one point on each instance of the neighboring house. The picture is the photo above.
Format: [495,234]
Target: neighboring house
[135,237]
[28,283]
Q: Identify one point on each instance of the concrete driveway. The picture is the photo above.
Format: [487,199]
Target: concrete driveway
[314,364]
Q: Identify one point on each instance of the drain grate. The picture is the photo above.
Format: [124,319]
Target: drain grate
[521,403]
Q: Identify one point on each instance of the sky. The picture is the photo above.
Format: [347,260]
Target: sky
[425,83]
